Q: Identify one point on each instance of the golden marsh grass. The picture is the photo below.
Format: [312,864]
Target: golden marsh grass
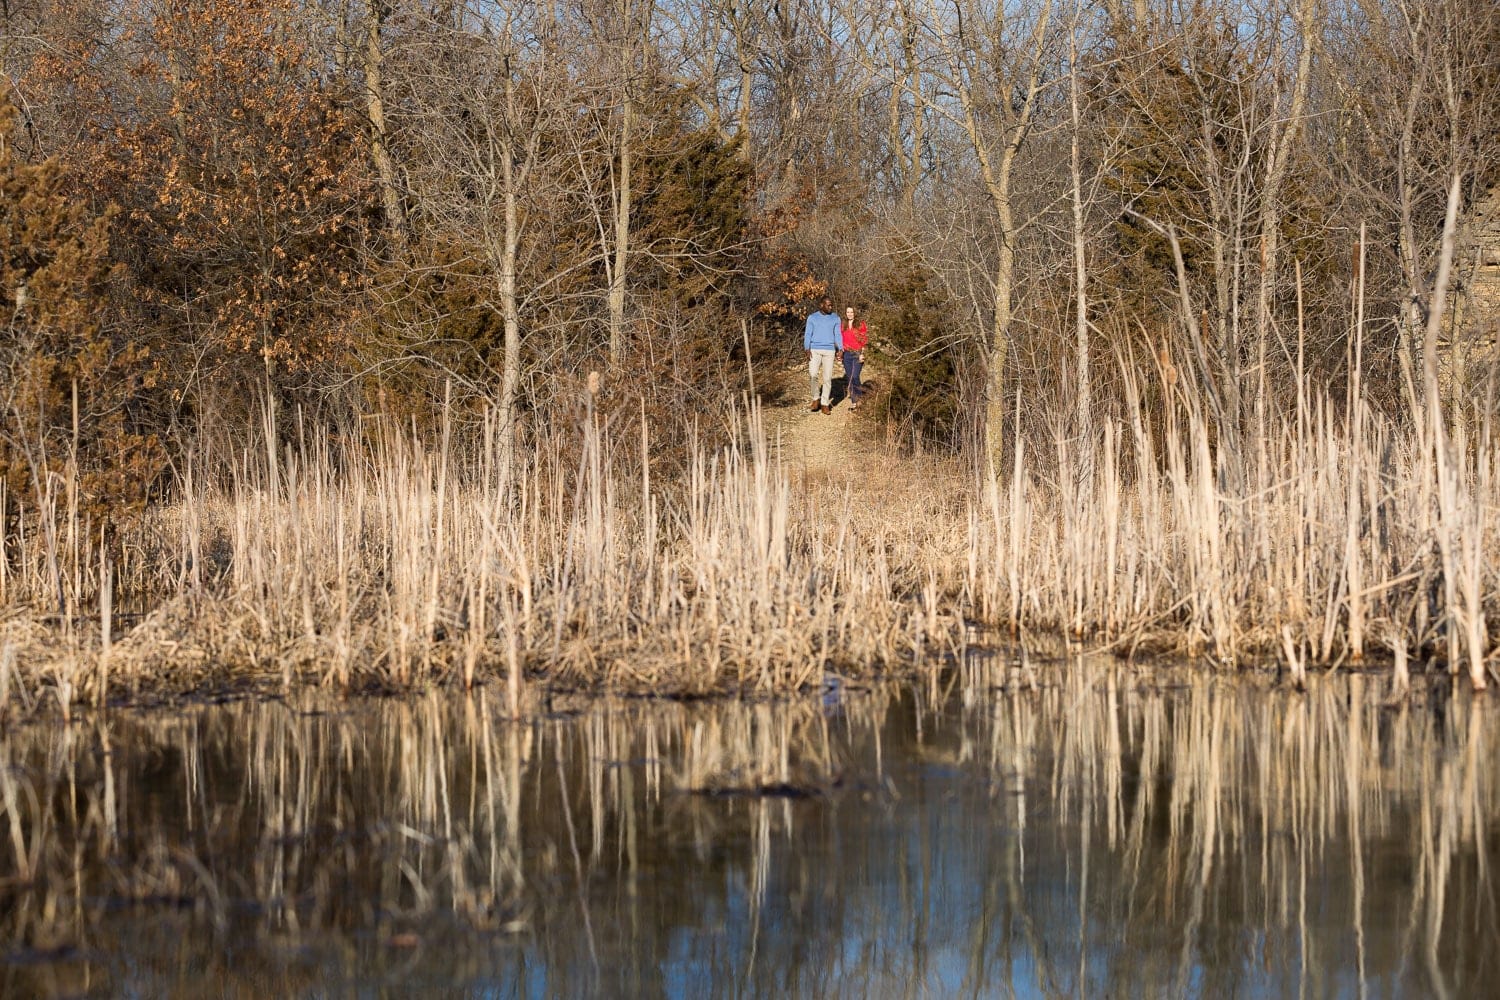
[1340,535]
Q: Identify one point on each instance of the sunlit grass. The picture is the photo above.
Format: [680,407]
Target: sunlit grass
[1338,535]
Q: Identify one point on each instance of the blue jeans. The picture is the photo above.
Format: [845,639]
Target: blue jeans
[852,367]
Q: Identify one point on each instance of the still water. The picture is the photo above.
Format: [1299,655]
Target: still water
[1078,829]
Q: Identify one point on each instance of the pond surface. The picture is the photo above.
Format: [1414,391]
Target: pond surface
[1082,829]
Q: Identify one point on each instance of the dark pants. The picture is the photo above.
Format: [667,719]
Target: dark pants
[852,366]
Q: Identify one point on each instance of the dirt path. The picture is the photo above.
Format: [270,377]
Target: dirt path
[837,445]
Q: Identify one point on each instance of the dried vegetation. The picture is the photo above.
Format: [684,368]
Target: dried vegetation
[1344,535]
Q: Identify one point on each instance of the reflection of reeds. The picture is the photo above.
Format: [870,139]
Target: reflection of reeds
[290,824]
[1277,807]
[1093,832]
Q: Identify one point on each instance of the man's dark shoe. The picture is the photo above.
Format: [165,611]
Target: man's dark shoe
[814,407]
[827,408]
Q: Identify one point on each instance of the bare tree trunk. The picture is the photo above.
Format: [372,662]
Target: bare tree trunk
[510,367]
[745,60]
[1225,233]
[994,411]
[893,134]
[622,230]
[385,167]
[510,371]
[982,118]
[632,23]
[1434,441]
[912,174]
[1406,196]
[1434,400]
[1080,263]
[1270,207]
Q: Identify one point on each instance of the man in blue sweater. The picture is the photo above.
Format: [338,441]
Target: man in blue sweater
[822,340]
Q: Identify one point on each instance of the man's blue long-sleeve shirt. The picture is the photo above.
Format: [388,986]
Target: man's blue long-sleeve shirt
[823,333]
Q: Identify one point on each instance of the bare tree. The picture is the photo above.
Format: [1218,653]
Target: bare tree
[743,20]
[1085,405]
[622,30]
[911,88]
[372,59]
[1415,85]
[1282,136]
[996,61]
[488,93]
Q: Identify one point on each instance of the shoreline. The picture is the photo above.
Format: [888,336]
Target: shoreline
[139,681]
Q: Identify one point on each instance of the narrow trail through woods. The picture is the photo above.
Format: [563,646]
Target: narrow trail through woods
[838,446]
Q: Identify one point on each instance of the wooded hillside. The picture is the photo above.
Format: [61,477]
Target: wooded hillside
[341,205]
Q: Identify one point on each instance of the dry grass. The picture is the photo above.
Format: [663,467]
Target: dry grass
[401,564]
[1340,531]
[409,565]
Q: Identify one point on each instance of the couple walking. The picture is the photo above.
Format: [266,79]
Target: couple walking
[826,336]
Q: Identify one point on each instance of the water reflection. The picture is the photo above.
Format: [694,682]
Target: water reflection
[1073,829]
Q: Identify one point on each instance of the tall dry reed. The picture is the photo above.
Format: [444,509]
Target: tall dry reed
[400,563]
[1349,526]
[394,562]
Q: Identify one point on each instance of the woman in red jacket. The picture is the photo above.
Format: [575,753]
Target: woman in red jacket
[856,336]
